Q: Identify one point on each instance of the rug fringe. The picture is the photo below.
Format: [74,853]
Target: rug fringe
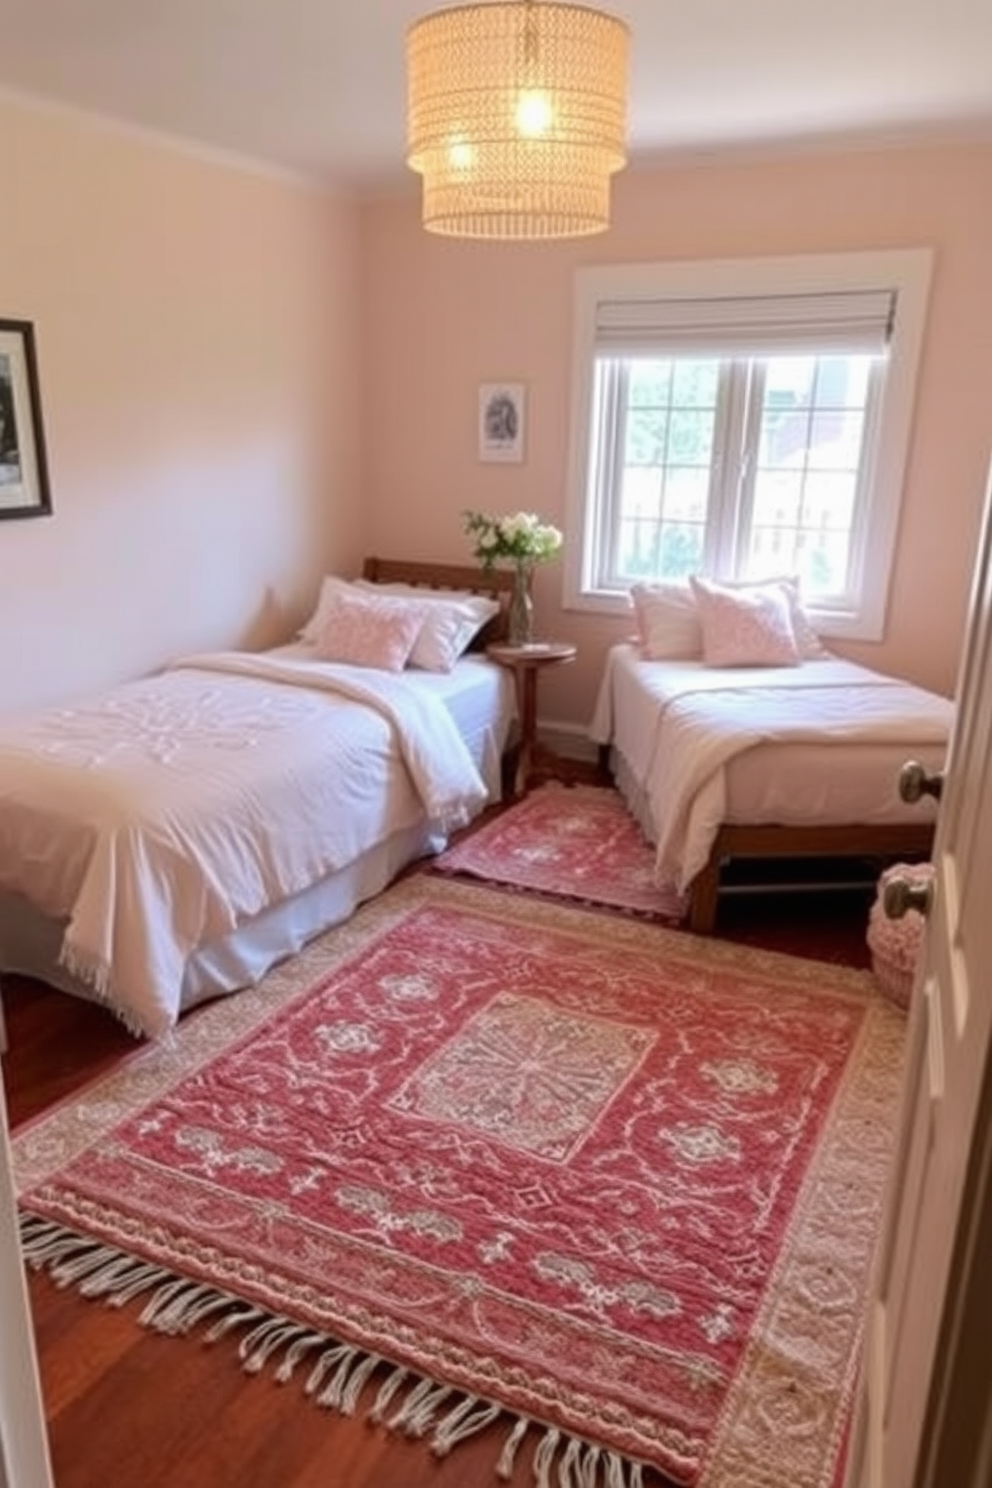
[504,1467]
[463,1420]
[338,1375]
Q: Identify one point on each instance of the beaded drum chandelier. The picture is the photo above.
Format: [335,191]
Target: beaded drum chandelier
[516,117]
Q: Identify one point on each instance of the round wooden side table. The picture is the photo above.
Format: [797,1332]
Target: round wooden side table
[535,762]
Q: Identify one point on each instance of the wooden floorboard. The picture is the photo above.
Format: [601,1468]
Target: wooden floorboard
[130,1409]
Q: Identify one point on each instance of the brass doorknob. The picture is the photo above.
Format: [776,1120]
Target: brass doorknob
[900,895]
[915,783]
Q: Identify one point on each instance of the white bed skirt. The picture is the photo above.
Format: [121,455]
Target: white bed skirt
[30,942]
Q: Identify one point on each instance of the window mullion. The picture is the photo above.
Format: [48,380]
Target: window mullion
[752,391]
[726,471]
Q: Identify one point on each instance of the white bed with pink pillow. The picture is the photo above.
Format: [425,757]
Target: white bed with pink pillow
[172,838]
[733,732]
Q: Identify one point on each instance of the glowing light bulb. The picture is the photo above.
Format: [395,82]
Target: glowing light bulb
[534,114]
[461,155]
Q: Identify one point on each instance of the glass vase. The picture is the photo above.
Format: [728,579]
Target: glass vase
[520,619]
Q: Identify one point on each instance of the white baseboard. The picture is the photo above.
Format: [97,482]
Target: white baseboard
[570,740]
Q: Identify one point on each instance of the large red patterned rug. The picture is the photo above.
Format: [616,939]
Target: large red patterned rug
[574,842]
[475,1158]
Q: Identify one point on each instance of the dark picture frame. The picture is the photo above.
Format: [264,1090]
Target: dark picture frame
[24,486]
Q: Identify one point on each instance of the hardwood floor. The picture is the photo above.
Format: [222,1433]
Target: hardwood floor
[134,1410]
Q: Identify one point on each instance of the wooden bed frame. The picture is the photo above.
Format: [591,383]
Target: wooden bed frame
[495,582]
[887,841]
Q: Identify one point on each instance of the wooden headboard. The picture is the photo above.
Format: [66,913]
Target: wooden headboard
[497,582]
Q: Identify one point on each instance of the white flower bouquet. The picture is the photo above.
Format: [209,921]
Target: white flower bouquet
[523,538]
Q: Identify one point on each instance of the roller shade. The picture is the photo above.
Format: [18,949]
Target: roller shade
[843,323]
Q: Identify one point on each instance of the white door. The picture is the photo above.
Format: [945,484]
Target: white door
[919,1278]
[24,1461]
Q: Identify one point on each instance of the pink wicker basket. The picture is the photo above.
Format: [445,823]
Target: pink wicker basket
[895,944]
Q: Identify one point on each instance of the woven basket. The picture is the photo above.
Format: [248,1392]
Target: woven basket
[895,944]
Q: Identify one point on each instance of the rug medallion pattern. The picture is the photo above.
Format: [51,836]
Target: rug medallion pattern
[527,1073]
[608,1177]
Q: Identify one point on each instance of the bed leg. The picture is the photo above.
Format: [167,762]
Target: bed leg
[508,767]
[702,898]
[603,761]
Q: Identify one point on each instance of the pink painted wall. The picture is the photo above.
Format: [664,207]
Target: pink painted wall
[212,450]
[439,317]
[197,331]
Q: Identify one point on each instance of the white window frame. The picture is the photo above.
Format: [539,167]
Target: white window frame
[903,272]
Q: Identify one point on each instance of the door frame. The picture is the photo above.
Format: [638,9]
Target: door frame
[956,1444]
[24,1459]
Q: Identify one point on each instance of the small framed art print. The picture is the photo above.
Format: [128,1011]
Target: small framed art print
[24,488]
[502,413]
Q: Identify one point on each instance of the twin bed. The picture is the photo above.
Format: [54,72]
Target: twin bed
[176,836]
[728,763]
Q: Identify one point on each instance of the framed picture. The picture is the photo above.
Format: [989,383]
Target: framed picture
[23,468]
[501,421]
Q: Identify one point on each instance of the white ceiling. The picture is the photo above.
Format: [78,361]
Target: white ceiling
[317,86]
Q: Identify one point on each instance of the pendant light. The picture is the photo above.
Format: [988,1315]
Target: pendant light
[516,117]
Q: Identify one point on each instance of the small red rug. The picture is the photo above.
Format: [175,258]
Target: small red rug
[476,1158]
[574,842]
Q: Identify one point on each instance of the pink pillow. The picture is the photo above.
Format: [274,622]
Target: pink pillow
[451,620]
[809,643]
[367,632]
[745,627]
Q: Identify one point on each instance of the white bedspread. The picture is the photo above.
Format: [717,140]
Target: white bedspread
[168,811]
[681,723]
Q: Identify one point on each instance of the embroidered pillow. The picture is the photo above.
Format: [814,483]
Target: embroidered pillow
[367,632]
[452,620]
[809,643]
[667,622]
[330,586]
[745,627]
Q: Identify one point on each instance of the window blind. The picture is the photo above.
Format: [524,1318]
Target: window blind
[844,323]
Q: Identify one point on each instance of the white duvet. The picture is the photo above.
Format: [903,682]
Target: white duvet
[165,813]
[679,724]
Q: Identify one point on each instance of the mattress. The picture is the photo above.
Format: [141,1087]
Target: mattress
[836,764]
[388,827]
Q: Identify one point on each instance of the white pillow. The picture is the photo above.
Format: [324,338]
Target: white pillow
[367,632]
[667,622]
[452,620]
[745,627]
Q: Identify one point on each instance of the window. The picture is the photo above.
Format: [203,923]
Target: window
[744,420]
